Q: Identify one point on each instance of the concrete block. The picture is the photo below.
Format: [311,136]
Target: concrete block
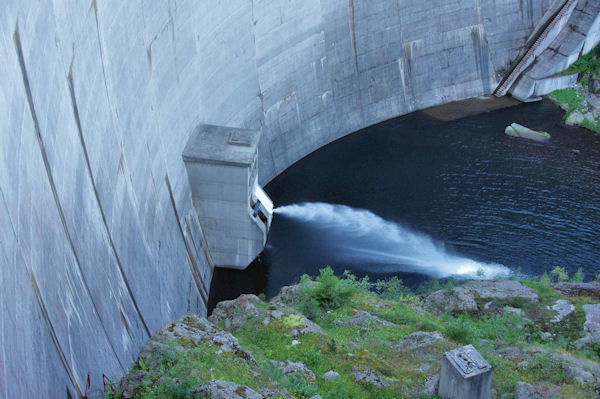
[219,161]
[465,375]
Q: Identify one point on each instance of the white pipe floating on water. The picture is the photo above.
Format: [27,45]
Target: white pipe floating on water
[360,236]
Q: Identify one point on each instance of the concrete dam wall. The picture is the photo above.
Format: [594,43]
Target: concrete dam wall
[100,243]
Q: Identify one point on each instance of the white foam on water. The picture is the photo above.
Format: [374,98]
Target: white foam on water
[358,236]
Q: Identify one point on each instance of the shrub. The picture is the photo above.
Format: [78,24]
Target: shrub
[578,276]
[324,293]
[391,289]
[559,274]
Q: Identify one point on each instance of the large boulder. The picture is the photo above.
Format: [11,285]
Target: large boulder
[245,309]
[288,294]
[517,130]
[501,289]
[465,297]
[235,313]
[578,289]
[450,300]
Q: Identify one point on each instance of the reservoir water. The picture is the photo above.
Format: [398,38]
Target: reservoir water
[416,197]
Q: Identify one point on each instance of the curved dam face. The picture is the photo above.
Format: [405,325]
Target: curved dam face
[100,243]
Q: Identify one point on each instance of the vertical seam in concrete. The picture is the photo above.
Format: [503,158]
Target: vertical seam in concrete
[3,379]
[204,291]
[51,182]
[191,263]
[97,196]
[46,316]
[352,33]
[116,116]
[95,7]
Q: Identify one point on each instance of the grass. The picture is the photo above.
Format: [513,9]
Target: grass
[370,347]
[569,97]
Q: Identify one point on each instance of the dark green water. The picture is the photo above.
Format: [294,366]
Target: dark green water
[441,197]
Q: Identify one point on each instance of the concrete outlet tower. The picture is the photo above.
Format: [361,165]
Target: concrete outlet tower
[235,213]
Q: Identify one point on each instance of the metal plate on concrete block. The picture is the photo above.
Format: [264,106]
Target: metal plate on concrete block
[468,360]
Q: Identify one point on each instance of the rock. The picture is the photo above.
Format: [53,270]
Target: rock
[589,116]
[316,397]
[236,312]
[295,342]
[430,385]
[287,295]
[591,327]
[511,352]
[423,347]
[276,393]
[330,375]
[517,130]
[547,336]
[578,289]
[575,118]
[448,301]
[463,298]
[527,391]
[562,308]
[419,309]
[306,327]
[297,368]
[217,389]
[363,318]
[132,384]
[276,314]
[501,289]
[576,369]
[576,374]
[419,339]
[185,334]
[510,309]
[594,85]
[370,377]
[594,100]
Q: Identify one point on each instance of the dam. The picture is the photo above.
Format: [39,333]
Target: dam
[102,238]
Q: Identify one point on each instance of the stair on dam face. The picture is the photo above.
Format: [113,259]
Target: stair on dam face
[572,30]
[234,211]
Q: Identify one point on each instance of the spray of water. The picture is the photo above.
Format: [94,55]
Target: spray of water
[358,236]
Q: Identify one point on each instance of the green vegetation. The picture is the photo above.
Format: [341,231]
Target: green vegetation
[588,63]
[573,99]
[329,300]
